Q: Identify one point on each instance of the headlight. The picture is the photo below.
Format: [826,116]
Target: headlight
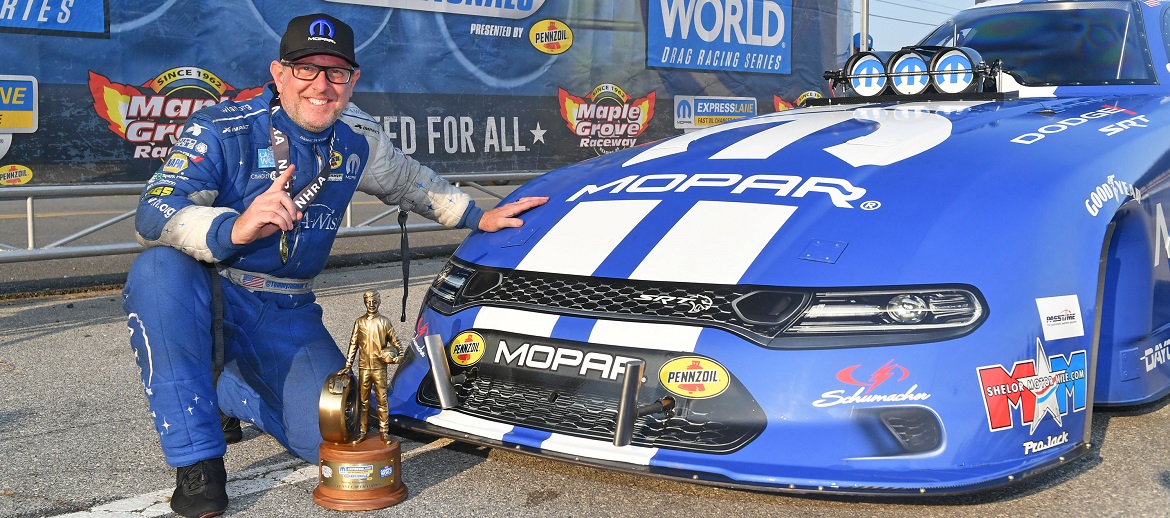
[945,311]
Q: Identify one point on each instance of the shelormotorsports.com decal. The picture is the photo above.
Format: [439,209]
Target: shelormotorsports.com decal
[1046,386]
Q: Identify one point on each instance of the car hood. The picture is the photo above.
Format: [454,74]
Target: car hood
[845,195]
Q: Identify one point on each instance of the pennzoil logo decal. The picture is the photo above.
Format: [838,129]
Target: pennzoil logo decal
[467,348]
[550,36]
[15,175]
[151,116]
[694,377]
[606,119]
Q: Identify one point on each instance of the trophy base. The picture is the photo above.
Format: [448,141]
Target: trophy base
[359,477]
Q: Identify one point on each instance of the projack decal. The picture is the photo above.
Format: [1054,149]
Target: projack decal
[1045,386]
[151,116]
[864,393]
[606,119]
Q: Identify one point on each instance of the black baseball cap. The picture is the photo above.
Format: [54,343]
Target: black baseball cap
[317,34]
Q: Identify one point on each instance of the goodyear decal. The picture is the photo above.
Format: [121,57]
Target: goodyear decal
[467,348]
[551,36]
[694,377]
[151,116]
[513,9]
[15,175]
[606,119]
[18,104]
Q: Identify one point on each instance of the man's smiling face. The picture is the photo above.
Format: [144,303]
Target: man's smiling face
[313,105]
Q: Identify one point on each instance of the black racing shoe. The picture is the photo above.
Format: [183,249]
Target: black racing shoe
[231,428]
[200,489]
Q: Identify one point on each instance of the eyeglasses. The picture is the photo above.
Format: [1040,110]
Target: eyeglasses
[309,72]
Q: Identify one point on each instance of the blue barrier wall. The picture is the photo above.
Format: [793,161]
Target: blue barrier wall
[499,86]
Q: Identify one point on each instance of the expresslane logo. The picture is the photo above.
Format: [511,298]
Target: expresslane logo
[512,9]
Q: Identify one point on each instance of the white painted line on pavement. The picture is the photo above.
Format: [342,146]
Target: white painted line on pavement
[246,482]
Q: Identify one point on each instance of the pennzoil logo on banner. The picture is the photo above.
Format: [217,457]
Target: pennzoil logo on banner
[15,175]
[551,36]
[151,116]
[694,377]
[467,348]
[607,119]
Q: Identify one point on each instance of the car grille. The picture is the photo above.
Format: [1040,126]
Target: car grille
[585,412]
[663,302]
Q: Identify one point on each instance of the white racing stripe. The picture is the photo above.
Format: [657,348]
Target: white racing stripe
[715,242]
[641,335]
[515,321]
[594,449]
[468,424]
[582,239]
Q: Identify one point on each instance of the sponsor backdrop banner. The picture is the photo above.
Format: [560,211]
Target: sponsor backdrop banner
[96,91]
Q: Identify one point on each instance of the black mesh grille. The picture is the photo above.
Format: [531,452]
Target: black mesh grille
[683,303]
[587,407]
[704,427]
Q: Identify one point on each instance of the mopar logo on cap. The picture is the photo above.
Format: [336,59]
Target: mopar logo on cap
[908,74]
[953,72]
[694,377]
[322,29]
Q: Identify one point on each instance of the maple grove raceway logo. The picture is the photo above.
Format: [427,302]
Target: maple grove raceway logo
[607,119]
[152,115]
[1048,385]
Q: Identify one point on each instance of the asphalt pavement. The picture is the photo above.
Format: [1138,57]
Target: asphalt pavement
[76,440]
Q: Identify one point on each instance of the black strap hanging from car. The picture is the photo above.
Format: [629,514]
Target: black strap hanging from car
[405,248]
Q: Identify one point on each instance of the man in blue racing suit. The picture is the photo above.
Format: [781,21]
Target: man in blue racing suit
[256,189]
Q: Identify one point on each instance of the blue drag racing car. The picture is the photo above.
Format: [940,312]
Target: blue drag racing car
[922,285]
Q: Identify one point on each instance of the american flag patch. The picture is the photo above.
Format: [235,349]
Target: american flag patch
[1152,3]
[251,281]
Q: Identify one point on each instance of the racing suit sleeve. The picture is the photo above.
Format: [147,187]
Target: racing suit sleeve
[175,207]
[397,179]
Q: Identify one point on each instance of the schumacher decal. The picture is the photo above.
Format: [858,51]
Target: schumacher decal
[864,394]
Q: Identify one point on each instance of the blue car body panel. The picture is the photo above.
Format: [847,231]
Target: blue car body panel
[1046,206]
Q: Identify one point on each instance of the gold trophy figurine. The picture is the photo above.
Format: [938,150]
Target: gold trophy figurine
[362,474]
[371,334]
